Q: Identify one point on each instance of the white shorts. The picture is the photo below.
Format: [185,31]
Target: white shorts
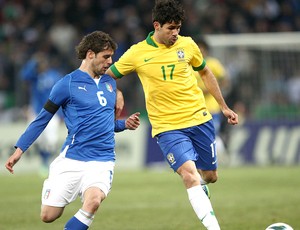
[69,179]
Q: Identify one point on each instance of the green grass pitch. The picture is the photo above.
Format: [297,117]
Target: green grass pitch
[245,198]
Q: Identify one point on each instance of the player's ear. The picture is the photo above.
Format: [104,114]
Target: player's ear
[156,25]
[90,54]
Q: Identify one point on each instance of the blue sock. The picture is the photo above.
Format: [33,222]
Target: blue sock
[75,224]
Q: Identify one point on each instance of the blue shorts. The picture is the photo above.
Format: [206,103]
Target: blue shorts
[195,143]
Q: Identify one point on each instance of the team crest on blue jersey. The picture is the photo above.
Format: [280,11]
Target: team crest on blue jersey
[109,87]
[180,54]
[171,158]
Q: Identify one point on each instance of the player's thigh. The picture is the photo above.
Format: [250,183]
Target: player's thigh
[176,147]
[63,184]
[98,175]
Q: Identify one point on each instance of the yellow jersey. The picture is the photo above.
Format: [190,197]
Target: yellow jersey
[173,99]
[219,71]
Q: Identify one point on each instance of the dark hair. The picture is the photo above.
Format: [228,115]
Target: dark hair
[167,11]
[96,41]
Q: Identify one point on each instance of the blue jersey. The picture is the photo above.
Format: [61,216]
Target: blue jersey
[88,110]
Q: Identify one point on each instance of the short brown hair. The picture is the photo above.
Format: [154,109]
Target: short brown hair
[96,41]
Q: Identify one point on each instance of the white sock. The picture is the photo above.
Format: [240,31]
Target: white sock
[202,207]
[85,217]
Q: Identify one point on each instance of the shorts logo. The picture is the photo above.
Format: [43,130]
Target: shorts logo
[47,193]
[171,158]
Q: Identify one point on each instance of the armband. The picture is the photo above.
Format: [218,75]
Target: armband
[51,107]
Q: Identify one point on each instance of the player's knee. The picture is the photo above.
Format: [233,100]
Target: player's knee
[190,179]
[50,215]
[210,177]
[92,199]
[213,179]
[45,217]
[93,204]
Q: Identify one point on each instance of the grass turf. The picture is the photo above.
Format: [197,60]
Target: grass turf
[247,198]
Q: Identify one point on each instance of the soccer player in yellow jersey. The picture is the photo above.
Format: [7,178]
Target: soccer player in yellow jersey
[180,121]
[212,105]
[220,73]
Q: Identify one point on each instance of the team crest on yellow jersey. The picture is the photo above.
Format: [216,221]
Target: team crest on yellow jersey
[180,54]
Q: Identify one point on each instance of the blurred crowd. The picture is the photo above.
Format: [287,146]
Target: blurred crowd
[32,27]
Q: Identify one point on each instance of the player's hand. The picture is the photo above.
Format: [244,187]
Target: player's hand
[133,122]
[13,159]
[232,117]
[119,104]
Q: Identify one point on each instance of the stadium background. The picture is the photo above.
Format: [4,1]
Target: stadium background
[258,41]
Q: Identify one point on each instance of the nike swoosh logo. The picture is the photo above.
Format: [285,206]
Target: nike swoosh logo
[148,59]
[214,162]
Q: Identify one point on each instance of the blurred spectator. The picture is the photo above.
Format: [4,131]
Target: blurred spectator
[294,88]
[6,83]
[41,73]
[24,24]
[62,35]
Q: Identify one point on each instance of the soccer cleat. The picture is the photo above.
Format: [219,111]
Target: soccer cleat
[206,190]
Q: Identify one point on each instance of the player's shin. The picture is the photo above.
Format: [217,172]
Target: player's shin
[202,207]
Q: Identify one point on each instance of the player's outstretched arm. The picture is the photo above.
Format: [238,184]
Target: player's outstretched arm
[13,159]
[212,85]
[133,121]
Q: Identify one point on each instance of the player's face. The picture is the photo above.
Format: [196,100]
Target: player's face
[102,61]
[168,33]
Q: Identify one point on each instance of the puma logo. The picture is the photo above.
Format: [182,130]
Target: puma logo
[83,88]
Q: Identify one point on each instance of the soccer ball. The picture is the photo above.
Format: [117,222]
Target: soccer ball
[279,226]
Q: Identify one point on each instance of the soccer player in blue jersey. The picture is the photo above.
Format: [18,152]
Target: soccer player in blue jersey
[165,63]
[41,75]
[85,166]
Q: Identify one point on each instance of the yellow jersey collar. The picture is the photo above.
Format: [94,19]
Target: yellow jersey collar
[150,41]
